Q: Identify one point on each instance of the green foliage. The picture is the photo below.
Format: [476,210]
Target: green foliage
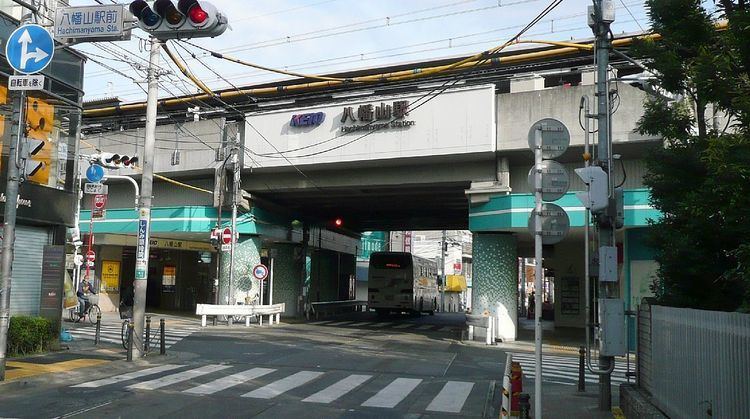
[28,335]
[700,179]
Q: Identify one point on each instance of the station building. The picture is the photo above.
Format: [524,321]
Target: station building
[445,152]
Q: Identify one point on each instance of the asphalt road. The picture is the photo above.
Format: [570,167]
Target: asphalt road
[357,366]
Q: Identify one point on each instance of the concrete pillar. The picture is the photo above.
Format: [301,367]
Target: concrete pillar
[245,286]
[495,281]
[287,278]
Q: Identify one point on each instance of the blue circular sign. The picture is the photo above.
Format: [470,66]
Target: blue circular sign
[260,271]
[95,173]
[30,49]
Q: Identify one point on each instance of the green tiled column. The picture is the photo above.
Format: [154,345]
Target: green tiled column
[495,281]
[246,256]
[287,278]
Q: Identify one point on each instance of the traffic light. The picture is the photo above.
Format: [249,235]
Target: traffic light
[37,148]
[596,199]
[189,19]
[114,160]
[338,222]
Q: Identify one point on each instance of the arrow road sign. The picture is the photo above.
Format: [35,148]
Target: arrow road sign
[94,173]
[30,49]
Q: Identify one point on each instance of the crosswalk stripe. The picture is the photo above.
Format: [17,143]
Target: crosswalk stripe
[322,322]
[178,377]
[128,376]
[403,326]
[382,324]
[452,397]
[339,323]
[224,383]
[360,324]
[393,393]
[283,385]
[338,389]
[426,327]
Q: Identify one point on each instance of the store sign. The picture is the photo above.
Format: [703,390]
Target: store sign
[369,117]
[110,276]
[168,279]
[308,119]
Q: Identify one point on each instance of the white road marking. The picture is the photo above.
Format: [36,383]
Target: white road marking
[403,326]
[338,389]
[128,376]
[382,324]
[178,378]
[283,385]
[426,327]
[224,383]
[360,324]
[339,323]
[393,393]
[451,398]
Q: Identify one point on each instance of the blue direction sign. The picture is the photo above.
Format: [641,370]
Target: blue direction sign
[30,49]
[95,173]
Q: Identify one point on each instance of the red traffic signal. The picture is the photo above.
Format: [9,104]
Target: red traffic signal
[189,19]
[338,222]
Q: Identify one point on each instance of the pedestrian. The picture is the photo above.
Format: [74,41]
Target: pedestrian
[532,303]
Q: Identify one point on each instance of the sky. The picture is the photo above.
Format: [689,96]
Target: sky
[323,36]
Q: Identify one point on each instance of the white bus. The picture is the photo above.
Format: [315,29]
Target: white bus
[402,282]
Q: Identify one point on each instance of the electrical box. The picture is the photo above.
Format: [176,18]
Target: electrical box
[608,264]
[608,12]
[596,199]
[612,327]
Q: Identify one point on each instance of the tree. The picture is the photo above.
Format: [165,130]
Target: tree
[700,179]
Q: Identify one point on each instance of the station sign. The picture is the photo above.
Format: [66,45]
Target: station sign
[102,22]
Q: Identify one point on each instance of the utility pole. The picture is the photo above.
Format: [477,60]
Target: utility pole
[603,16]
[538,272]
[236,196]
[9,222]
[144,203]
[443,249]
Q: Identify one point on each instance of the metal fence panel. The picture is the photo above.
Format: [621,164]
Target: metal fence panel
[700,360]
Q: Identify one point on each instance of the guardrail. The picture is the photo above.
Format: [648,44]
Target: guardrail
[246,311]
[485,322]
[322,307]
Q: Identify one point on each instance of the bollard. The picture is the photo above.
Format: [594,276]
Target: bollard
[130,341]
[581,369]
[147,340]
[524,406]
[162,343]
[98,328]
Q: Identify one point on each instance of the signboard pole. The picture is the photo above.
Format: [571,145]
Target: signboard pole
[91,234]
[9,227]
[235,190]
[144,203]
[538,271]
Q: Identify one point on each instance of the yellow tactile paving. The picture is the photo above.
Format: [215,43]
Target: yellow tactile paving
[28,369]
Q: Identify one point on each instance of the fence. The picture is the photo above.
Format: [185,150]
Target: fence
[695,363]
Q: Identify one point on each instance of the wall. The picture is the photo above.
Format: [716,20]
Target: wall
[287,278]
[456,122]
[495,280]
[517,111]
[568,264]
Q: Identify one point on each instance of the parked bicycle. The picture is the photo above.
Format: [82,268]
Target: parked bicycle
[127,316]
[92,311]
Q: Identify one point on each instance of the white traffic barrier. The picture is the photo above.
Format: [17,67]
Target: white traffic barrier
[486,322]
[248,310]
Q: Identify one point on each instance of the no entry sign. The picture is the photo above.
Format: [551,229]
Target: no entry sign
[226,236]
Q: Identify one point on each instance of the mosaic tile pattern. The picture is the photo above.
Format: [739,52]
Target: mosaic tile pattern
[246,256]
[287,279]
[495,279]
